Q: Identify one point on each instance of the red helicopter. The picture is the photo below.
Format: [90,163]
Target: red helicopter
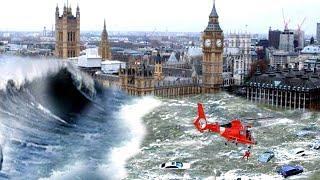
[234,131]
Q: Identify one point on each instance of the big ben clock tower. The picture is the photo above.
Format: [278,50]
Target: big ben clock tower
[212,64]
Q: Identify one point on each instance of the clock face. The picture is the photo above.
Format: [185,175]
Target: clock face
[219,43]
[207,43]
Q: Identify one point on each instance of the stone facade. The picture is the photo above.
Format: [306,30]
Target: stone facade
[67,29]
[212,64]
[238,55]
[287,88]
[141,79]
[137,80]
[280,57]
[158,68]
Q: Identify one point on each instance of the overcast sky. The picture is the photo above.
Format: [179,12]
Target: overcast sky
[162,15]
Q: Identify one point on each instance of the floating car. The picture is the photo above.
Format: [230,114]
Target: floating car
[175,165]
[299,152]
[289,170]
[266,157]
[311,130]
[315,145]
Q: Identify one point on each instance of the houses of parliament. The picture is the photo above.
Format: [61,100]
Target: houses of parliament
[165,78]
[67,33]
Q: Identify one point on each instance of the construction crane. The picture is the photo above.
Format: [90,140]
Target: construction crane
[301,24]
[300,39]
[285,21]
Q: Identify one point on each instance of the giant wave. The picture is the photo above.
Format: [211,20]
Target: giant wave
[57,123]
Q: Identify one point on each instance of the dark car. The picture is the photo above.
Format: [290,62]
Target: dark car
[289,170]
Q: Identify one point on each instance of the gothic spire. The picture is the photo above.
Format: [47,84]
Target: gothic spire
[104,32]
[214,11]
[57,11]
[70,9]
[213,24]
[104,25]
[78,11]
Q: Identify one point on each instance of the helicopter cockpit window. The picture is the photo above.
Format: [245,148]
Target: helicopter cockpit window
[229,125]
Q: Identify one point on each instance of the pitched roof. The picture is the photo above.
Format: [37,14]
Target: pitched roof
[173,59]
[294,80]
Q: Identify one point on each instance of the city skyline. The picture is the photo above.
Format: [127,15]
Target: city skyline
[173,16]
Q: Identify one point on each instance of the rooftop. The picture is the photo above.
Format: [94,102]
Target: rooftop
[312,49]
[287,79]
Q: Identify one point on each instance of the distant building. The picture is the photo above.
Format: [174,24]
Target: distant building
[318,32]
[299,36]
[287,41]
[261,47]
[104,49]
[67,33]
[280,57]
[274,38]
[237,56]
[310,57]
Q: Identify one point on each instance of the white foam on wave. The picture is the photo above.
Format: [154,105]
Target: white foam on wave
[285,155]
[235,174]
[131,117]
[5,136]
[273,122]
[20,70]
[47,111]
[71,171]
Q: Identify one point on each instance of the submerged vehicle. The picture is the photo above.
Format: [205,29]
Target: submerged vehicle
[289,170]
[309,131]
[315,145]
[299,152]
[266,157]
[234,131]
[175,165]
